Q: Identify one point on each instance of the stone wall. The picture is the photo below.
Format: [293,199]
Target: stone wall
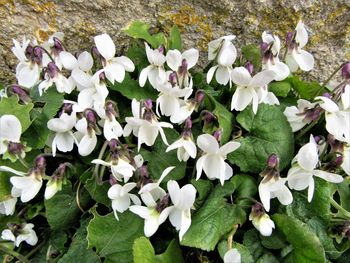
[199,20]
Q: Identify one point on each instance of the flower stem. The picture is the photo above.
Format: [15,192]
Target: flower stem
[306,130]
[339,207]
[77,198]
[17,255]
[100,156]
[230,236]
[332,75]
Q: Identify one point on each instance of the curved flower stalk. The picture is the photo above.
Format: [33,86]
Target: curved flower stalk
[300,176]
[272,185]
[155,72]
[302,114]
[224,53]
[64,138]
[271,48]
[296,56]
[19,233]
[183,200]
[145,127]
[121,198]
[250,90]
[213,161]
[114,67]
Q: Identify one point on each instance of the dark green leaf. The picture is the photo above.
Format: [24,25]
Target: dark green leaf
[203,187]
[268,258]
[306,90]
[11,106]
[114,239]
[97,192]
[175,39]
[5,186]
[172,254]
[275,241]
[225,117]
[307,246]
[343,190]
[140,30]
[269,132]
[131,89]
[252,54]
[251,241]
[246,257]
[280,88]
[217,217]
[158,159]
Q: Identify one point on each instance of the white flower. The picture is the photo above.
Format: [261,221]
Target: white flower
[261,220]
[146,130]
[301,175]
[112,128]
[64,138]
[121,198]
[114,67]
[87,136]
[271,60]
[338,118]
[185,148]
[154,214]
[121,169]
[271,187]
[297,116]
[296,56]
[154,72]
[232,256]
[10,131]
[249,88]
[7,207]
[213,161]
[186,109]
[183,199]
[225,53]
[25,233]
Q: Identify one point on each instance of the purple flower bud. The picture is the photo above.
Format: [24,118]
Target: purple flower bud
[338,160]
[199,96]
[257,210]
[67,108]
[15,148]
[217,135]
[95,51]
[113,145]
[40,163]
[183,68]
[29,51]
[345,71]
[249,66]
[264,47]
[161,50]
[188,123]
[173,79]
[317,138]
[110,111]
[112,180]
[336,146]
[37,55]
[57,45]
[52,70]
[144,171]
[208,117]
[90,116]
[289,38]
[327,95]
[22,94]
[148,104]
[102,77]
[273,161]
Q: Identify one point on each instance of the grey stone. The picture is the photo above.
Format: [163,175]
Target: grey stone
[199,20]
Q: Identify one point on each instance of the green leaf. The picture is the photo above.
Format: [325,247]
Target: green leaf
[143,252]
[62,210]
[225,117]
[217,217]
[275,241]
[140,30]
[268,258]
[251,241]
[114,239]
[5,186]
[306,90]
[158,159]
[343,190]
[280,88]
[78,250]
[268,132]
[252,53]
[307,246]
[175,39]
[131,89]
[96,191]
[11,106]
[246,257]
[204,187]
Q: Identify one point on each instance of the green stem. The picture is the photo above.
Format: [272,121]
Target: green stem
[100,156]
[34,250]
[301,134]
[339,207]
[332,75]
[23,162]
[17,255]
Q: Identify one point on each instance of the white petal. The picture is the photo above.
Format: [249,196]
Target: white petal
[207,143]
[105,46]
[10,128]
[281,70]
[144,75]
[187,196]
[87,144]
[112,129]
[304,59]
[301,34]
[262,78]
[310,192]
[241,98]
[125,62]
[191,57]
[165,173]
[8,235]
[28,76]
[85,61]
[151,226]
[330,177]
[292,64]
[82,78]
[190,148]
[121,204]
[265,196]
[228,148]
[115,72]
[298,178]
[222,75]
[68,60]
[199,166]
[308,156]
[284,195]
[240,76]
[214,167]
[227,54]
[140,211]
[174,191]
[64,141]
[174,59]
[328,104]
[210,73]
[175,218]
[185,223]
[10,170]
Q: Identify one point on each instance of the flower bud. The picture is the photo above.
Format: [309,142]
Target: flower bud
[95,52]
[22,94]
[148,104]
[173,79]
[110,111]
[208,118]
[57,45]
[15,148]
[161,50]
[112,180]
[199,96]
[289,38]
[37,55]
[90,116]
[183,68]
[52,70]
[217,134]
[29,51]
[113,145]
[345,71]
[336,146]
[272,167]
[67,108]
[102,77]
[249,66]
[261,220]
[264,47]
[188,123]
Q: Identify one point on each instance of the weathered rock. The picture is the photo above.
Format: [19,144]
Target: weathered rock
[199,20]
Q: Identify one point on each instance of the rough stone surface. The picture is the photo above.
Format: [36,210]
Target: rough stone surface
[199,20]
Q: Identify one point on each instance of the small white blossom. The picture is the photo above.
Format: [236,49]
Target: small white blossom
[298,116]
[7,207]
[10,131]
[25,233]
[86,137]
[121,169]
[232,256]
[185,148]
[213,161]
[261,221]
